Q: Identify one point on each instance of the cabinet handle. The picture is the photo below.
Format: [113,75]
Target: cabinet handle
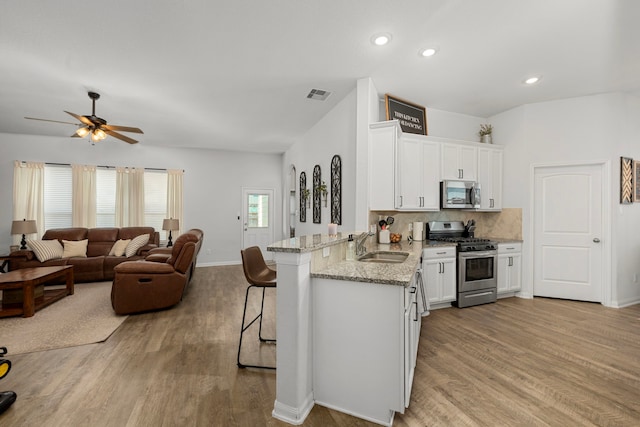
[400,201]
[510,261]
[491,203]
[440,253]
[413,290]
[416,318]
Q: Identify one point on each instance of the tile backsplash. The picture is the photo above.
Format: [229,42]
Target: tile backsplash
[506,224]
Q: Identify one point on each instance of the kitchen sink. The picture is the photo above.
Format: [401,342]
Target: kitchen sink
[384,257]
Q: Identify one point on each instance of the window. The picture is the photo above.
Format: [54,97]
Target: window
[105,197]
[258,215]
[155,200]
[57,196]
[58,187]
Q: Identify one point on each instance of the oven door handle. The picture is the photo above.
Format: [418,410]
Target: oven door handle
[478,254]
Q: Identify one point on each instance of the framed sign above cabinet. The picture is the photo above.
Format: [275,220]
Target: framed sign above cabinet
[412,117]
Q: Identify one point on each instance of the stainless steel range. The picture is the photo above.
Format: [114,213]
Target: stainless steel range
[477,261]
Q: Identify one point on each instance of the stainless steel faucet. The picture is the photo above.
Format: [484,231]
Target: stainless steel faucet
[360,248]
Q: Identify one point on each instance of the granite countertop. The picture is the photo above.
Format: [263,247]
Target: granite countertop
[503,240]
[308,243]
[399,274]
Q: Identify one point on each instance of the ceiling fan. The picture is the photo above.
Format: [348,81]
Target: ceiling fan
[96,126]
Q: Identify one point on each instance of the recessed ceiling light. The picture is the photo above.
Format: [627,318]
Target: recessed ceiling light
[427,52]
[381,39]
[532,80]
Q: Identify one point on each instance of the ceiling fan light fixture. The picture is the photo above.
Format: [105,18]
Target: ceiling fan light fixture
[82,132]
[98,135]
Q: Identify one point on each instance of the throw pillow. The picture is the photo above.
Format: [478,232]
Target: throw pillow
[75,248]
[135,244]
[46,249]
[119,247]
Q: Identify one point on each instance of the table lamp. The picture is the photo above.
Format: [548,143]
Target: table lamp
[24,227]
[170,224]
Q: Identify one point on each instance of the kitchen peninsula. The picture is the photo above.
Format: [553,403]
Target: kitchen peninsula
[347,331]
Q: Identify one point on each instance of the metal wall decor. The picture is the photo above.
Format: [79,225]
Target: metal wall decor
[316,194]
[303,197]
[336,190]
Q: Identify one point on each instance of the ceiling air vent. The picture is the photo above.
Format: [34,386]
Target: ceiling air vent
[318,94]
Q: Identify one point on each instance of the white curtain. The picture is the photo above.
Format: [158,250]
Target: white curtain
[83,196]
[174,196]
[129,197]
[28,194]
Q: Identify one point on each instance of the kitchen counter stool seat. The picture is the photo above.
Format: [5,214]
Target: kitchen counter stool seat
[259,275]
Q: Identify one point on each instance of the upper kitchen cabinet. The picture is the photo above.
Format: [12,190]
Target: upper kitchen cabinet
[418,174]
[382,159]
[459,161]
[490,167]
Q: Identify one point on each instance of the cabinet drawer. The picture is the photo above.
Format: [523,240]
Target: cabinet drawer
[439,252]
[505,248]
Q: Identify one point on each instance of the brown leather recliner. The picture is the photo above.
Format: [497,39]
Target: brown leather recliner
[141,286]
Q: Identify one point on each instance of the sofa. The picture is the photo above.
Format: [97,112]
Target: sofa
[98,265]
[158,282]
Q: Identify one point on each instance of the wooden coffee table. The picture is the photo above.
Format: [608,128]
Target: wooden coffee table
[27,279]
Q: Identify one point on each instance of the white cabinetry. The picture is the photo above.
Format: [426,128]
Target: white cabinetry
[439,267]
[509,267]
[418,174]
[382,160]
[490,178]
[459,161]
[365,342]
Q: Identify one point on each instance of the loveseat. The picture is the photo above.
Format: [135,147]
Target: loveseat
[98,265]
[158,282]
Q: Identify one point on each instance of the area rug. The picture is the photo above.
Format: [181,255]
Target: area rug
[82,318]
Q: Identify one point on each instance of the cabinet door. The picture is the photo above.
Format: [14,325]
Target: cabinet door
[431,176]
[448,280]
[382,143]
[409,174]
[503,273]
[515,272]
[459,162]
[432,270]
[490,178]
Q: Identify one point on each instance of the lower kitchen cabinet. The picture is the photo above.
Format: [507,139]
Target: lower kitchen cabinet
[365,343]
[509,267]
[439,267]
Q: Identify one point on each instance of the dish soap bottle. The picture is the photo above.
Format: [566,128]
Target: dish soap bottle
[351,248]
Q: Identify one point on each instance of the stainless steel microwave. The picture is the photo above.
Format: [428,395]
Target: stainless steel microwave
[459,195]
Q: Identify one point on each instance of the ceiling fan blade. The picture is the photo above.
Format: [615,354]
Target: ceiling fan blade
[54,121]
[81,118]
[122,128]
[119,136]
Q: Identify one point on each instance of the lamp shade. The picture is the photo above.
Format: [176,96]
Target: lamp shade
[170,224]
[24,227]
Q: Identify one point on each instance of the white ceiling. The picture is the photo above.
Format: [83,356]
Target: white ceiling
[234,75]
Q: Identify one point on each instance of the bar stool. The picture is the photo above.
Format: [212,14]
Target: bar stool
[259,275]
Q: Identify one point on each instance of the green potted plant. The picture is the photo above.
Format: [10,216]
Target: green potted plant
[305,196]
[322,189]
[485,133]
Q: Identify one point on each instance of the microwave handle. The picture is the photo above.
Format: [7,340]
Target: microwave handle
[476,195]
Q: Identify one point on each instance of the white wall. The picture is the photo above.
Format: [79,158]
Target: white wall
[586,129]
[334,134]
[213,182]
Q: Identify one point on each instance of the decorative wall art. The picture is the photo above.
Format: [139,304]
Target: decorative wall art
[316,194]
[336,190]
[412,117]
[626,180]
[304,195]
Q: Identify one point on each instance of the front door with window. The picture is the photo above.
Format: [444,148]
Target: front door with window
[258,219]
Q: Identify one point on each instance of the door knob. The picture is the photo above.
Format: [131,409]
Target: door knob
[596,240]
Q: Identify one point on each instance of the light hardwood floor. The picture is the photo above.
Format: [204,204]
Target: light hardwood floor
[514,363]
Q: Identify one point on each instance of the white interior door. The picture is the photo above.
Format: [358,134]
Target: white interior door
[568,212]
[258,226]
